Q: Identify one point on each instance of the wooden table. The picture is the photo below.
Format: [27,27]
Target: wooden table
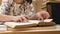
[36,30]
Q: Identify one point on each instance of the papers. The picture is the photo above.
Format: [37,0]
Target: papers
[25,24]
[22,24]
[16,24]
[3,28]
[48,20]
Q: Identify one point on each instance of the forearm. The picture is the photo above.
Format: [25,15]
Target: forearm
[6,18]
[34,17]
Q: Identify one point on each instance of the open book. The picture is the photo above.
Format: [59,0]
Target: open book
[29,23]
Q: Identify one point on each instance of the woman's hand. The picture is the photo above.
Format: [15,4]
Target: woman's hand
[20,18]
[42,15]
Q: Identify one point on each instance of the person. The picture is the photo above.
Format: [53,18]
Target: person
[19,10]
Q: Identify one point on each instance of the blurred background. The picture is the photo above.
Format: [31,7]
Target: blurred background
[39,4]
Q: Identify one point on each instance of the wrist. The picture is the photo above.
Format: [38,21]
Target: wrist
[13,18]
[34,17]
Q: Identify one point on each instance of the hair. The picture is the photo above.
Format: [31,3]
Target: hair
[29,1]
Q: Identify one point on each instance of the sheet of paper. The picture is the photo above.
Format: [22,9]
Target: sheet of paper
[14,24]
[30,22]
[48,20]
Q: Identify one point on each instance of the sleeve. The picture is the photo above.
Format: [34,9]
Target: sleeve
[4,6]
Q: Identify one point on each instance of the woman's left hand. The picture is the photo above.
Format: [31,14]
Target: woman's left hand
[42,14]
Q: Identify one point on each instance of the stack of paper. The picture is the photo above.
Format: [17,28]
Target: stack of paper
[29,23]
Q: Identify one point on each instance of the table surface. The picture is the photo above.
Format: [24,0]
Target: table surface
[55,29]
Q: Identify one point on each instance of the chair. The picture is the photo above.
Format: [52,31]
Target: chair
[54,10]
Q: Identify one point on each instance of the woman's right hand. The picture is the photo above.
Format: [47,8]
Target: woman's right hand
[20,18]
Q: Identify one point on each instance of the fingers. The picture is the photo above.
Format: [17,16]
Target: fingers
[27,17]
[23,17]
[43,15]
[46,15]
[20,20]
[39,17]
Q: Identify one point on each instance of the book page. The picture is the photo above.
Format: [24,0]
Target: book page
[48,20]
[24,24]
